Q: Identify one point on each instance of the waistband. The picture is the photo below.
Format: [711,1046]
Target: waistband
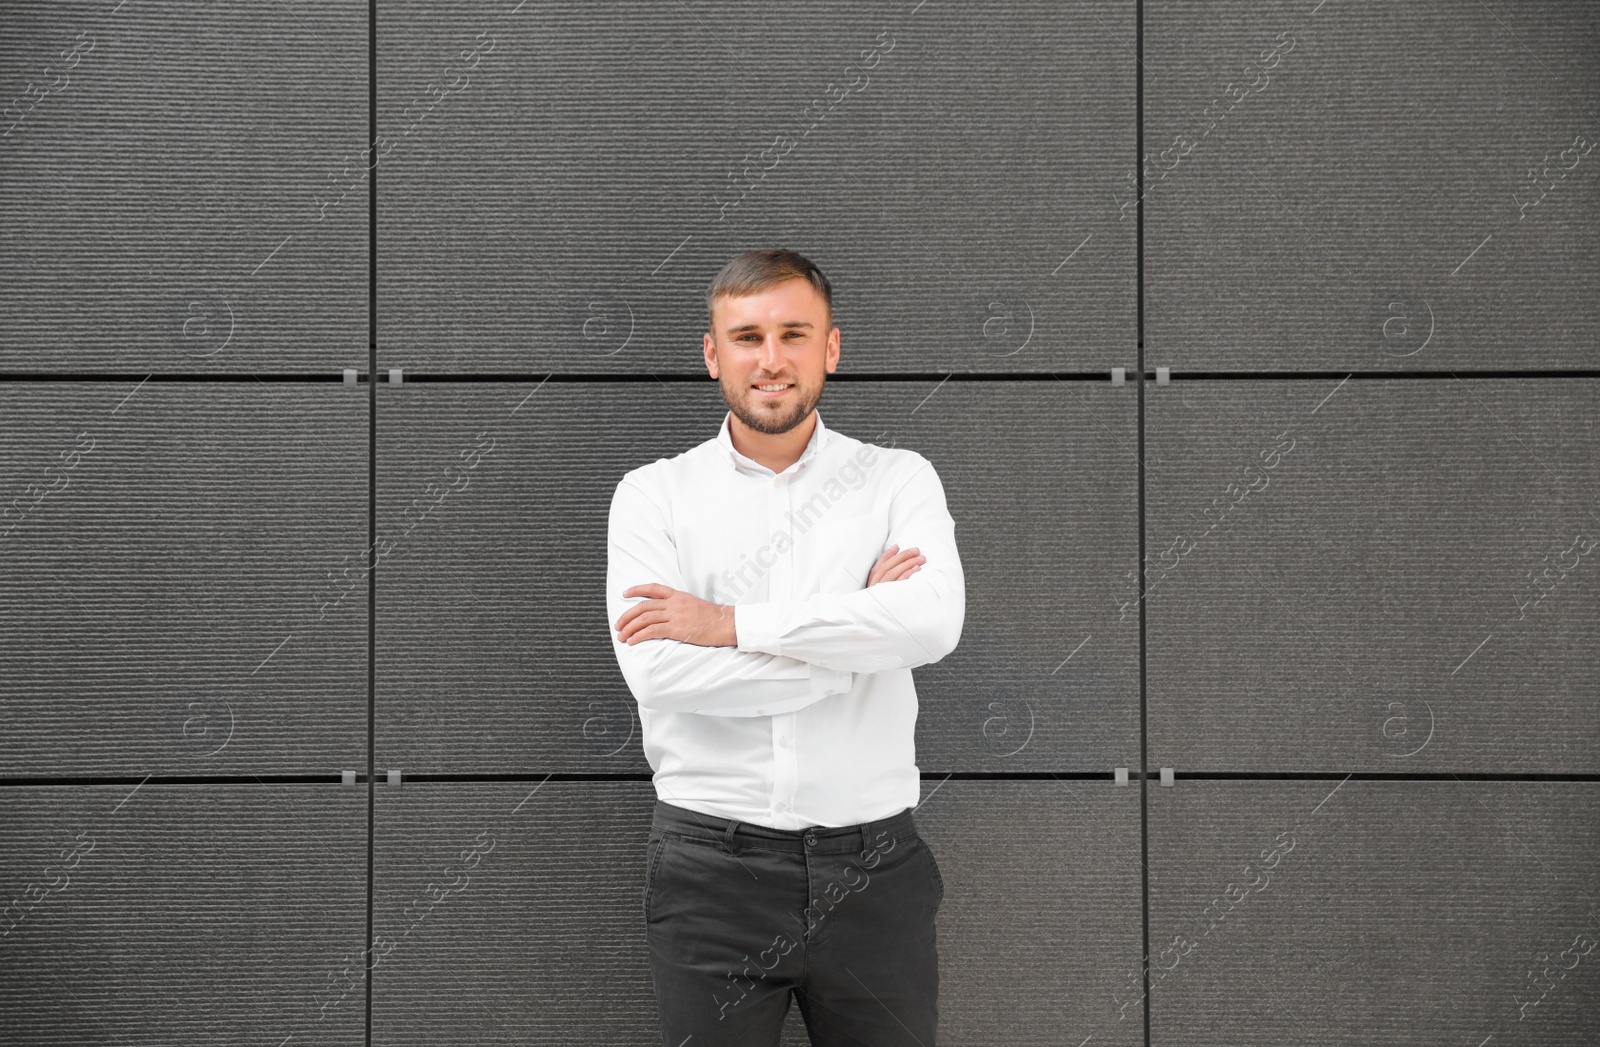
[880,834]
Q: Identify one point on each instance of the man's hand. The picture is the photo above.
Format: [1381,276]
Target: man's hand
[891,567]
[672,614]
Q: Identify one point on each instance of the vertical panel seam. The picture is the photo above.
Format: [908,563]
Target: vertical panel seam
[1144,734]
[372,483]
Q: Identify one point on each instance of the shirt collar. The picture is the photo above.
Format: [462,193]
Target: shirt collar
[725,438]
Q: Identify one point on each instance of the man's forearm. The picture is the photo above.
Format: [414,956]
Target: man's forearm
[900,625]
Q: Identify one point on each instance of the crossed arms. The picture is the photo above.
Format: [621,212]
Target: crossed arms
[681,653]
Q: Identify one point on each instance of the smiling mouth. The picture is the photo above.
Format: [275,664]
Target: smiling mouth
[774,393]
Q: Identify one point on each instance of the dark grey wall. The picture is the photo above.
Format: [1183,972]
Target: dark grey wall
[1274,464]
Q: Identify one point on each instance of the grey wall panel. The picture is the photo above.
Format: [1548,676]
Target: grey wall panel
[1039,930]
[1374,912]
[170,570]
[565,180]
[1359,203]
[509,912]
[185,191]
[492,653]
[516,911]
[1347,575]
[493,637]
[182,914]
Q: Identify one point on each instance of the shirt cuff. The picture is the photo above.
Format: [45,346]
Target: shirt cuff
[755,625]
[826,681]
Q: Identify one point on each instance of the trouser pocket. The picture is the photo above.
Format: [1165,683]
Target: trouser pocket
[655,846]
[933,866]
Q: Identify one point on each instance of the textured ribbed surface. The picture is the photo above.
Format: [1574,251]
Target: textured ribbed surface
[161,607]
[1406,587]
[1374,913]
[1364,603]
[183,914]
[1355,207]
[494,647]
[1041,889]
[512,913]
[164,205]
[562,210]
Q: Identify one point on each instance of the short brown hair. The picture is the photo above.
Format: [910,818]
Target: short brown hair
[755,271]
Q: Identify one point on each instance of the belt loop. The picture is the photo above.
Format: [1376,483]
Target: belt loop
[866,845]
[727,838]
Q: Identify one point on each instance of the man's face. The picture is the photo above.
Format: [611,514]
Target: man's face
[780,336]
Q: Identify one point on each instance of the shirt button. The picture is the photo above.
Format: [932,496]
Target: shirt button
[783,807]
[783,740]
[760,712]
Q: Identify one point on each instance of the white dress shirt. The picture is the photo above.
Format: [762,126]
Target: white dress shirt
[811,719]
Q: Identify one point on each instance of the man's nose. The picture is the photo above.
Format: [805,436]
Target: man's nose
[771,354]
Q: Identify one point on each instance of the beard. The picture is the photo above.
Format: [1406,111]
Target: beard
[772,417]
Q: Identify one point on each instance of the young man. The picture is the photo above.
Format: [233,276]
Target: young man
[771,590]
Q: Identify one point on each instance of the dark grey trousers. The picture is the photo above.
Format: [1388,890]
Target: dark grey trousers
[739,916]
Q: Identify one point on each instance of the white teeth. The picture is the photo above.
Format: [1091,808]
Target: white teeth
[771,388]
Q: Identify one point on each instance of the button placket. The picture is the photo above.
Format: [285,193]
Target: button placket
[786,771]
[781,587]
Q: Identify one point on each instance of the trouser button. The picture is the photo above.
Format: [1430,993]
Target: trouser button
[811,839]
